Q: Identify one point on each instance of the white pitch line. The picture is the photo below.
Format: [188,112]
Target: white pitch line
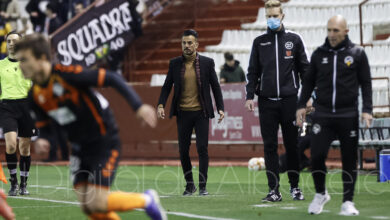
[380,217]
[44,206]
[188,215]
[44,200]
[197,216]
[50,187]
[288,208]
[263,206]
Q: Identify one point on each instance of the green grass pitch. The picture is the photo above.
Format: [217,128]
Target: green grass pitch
[234,192]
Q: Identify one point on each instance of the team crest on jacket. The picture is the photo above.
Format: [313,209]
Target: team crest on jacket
[348,60]
[289,45]
[316,128]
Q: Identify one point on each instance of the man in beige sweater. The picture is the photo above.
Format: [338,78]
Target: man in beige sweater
[193,76]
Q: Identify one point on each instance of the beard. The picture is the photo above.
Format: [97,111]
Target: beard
[188,52]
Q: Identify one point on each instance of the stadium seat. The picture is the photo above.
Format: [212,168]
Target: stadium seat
[158,79]
[315,13]
[260,19]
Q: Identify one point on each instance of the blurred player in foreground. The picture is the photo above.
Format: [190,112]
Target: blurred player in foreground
[5,210]
[64,95]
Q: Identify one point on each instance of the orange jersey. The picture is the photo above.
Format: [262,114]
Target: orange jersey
[67,98]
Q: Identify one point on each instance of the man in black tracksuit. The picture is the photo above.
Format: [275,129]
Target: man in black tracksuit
[276,59]
[336,71]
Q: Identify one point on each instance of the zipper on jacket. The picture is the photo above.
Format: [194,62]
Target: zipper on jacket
[334,82]
[261,82]
[293,75]
[277,64]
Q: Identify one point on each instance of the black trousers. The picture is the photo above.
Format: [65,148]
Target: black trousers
[186,122]
[324,131]
[272,114]
[303,145]
[58,138]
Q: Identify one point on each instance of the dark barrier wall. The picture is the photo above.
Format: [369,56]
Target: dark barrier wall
[131,128]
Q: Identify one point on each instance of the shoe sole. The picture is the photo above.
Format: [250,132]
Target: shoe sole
[298,199]
[272,201]
[156,199]
[322,207]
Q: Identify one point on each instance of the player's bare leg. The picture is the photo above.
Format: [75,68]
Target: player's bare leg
[99,203]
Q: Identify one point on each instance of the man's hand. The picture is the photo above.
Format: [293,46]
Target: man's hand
[147,114]
[300,117]
[160,112]
[250,105]
[221,116]
[367,119]
[41,146]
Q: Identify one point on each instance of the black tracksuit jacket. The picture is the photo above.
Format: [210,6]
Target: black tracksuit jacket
[276,59]
[335,74]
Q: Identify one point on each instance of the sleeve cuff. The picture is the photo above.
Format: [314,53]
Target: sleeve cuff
[250,96]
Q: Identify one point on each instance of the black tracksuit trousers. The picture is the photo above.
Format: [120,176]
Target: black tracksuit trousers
[324,131]
[272,114]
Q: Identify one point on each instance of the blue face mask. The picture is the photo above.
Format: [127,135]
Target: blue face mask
[273,23]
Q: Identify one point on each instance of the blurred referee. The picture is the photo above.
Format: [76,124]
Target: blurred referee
[337,69]
[276,59]
[15,118]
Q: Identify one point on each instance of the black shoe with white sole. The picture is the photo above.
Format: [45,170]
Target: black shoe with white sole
[13,191]
[23,190]
[203,192]
[190,189]
[273,196]
[296,194]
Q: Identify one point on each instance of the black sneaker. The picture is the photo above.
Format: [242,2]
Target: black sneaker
[296,194]
[273,197]
[190,189]
[14,188]
[23,189]
[203,191]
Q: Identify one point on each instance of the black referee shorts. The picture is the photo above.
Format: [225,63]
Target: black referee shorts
[15,116]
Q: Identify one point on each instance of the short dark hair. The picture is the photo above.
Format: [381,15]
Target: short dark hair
[13,32]
[190,32]
[37,43]
[52,7]
[228,56]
